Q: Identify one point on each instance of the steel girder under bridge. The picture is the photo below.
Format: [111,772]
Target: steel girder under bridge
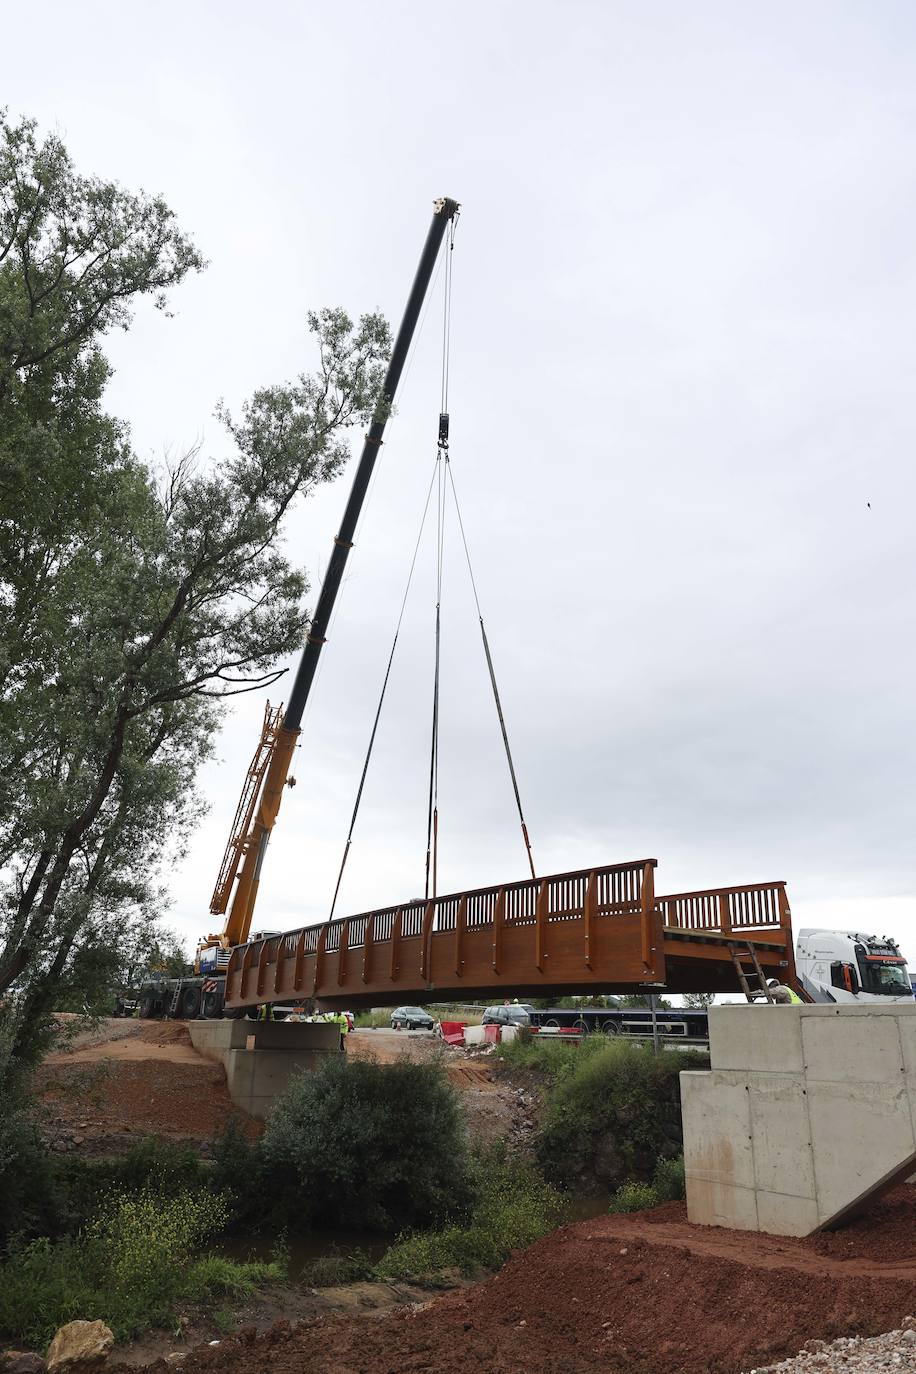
[597,930]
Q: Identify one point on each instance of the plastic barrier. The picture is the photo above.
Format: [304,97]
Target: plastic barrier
[452,1032]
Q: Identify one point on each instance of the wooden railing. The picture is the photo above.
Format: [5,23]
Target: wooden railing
[361,945]
[724,910]
[596,928]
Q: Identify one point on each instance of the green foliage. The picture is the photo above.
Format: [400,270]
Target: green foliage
[129,1267]
[555,1056]
[368,1146]
[369,1020]
[512,1207]
[130,601]
[667,1186]
[329,1271]
[152,1167]
[240,1171]
[29,1198]
[613,1113]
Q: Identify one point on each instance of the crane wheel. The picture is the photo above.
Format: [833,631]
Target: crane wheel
[189,1005]
[212,1004]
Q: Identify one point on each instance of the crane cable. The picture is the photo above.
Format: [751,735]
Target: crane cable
[381,700]
[492,672]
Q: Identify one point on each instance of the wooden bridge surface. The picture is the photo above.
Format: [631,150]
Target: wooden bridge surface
[596,930]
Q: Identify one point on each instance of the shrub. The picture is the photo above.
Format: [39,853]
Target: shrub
[612,1114]
[667,1186]
[128,1268]
[327,1271]
[553,1055]
[29,1195]
[369,1146]
[153,1166]
[513,1207]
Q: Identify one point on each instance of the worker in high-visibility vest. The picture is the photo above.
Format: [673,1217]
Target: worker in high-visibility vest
[344,1025]
[265,1012]
[782,994]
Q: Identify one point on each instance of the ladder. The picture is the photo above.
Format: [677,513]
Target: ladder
[753,983]
[173,1006]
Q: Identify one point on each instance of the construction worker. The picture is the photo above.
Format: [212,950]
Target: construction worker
[265,1012]
[782,994]
[344,1024]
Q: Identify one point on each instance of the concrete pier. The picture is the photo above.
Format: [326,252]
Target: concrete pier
[807,1114]
[260,1057]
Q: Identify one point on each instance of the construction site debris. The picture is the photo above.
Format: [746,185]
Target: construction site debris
[895,1350]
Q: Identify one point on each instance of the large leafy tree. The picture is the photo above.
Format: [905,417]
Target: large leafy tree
[131,603]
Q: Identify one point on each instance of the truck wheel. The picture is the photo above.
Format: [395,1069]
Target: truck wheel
[189,1005]
[610,1028]
[581,1027]
[147,1006]
[212,1004]
[553,1023]
[234,1013]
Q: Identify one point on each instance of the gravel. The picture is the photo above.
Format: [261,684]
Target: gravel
[895,1350]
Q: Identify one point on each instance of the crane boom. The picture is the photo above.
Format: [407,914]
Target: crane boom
[248,848]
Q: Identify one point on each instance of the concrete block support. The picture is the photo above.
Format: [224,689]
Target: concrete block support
[806,1113]
[260,1057]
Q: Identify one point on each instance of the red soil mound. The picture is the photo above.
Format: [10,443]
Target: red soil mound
[645,1295]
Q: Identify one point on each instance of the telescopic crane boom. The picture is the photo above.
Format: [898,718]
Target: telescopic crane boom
[269,770]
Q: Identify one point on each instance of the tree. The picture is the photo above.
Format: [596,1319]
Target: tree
[641,999]
[699,1001]
[131,603]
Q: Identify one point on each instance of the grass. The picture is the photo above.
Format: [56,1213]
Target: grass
[667,1186]
[370,1020]
[554,1055]
[329,1271]
[132,1263]
[513,1207]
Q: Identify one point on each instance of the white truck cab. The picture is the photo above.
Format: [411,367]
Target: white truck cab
[849,966]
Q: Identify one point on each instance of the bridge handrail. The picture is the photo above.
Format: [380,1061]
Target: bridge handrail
[744,907]
[620,889]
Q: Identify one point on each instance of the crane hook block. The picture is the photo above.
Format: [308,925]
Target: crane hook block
[443,430]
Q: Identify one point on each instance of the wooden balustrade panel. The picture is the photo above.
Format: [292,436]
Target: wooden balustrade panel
[456,932]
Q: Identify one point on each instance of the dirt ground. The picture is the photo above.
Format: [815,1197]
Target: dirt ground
[106,1088]
[110,1087]
[639,1294]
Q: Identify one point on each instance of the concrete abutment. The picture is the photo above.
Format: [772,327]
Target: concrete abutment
[260,1057]
[808,1112]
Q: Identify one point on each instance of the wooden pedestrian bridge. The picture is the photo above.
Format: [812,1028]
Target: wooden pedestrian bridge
[597,930]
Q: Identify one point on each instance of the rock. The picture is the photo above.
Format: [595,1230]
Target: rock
[21,1362]
[176,1357]
[78,1343]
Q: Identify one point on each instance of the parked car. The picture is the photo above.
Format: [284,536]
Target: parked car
[517,1014]
[411,1018]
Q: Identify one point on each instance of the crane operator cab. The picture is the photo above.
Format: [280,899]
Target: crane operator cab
[849,966]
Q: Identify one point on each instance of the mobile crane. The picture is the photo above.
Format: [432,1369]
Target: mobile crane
[236,890]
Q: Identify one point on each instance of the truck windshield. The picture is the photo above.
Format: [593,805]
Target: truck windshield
[885,977]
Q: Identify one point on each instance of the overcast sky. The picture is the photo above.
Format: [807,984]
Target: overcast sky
[682,368]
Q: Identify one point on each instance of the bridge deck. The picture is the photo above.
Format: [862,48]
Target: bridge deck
[596,930]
